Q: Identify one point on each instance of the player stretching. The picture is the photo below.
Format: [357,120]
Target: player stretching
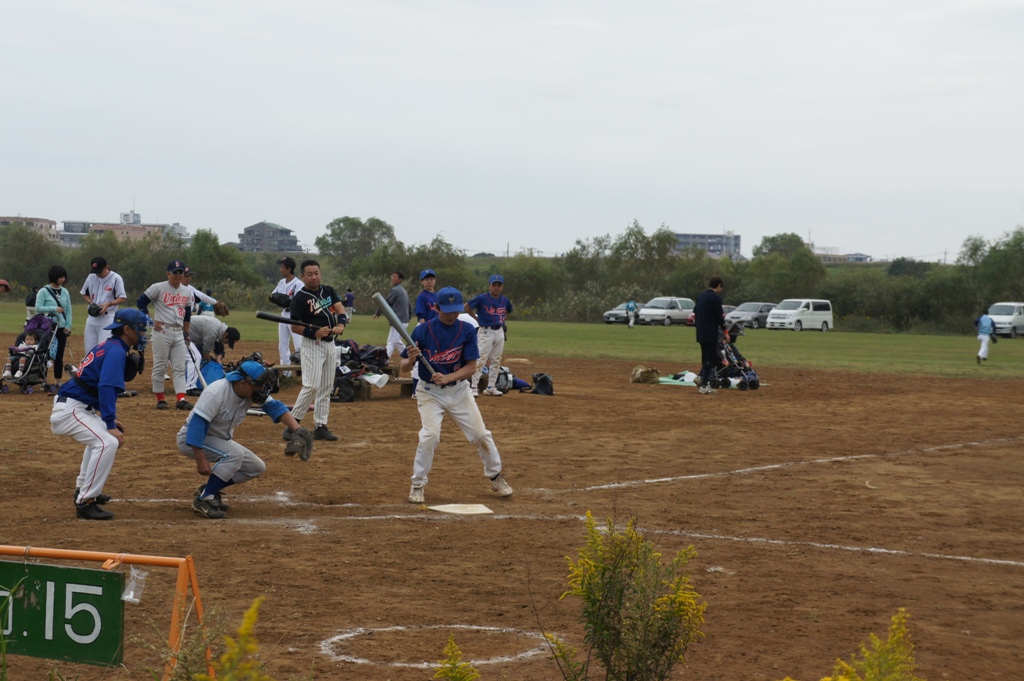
[85,409]
[320,306]
[450,345]
[490,310]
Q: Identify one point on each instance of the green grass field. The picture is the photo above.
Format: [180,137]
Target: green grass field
[951,356]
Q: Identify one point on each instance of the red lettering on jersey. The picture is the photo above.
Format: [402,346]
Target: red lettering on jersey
[447,356]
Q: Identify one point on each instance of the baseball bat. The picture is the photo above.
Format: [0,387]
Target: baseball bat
[281,319]
[398,326]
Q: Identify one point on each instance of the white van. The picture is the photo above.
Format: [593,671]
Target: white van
[800,313]
[1008,318]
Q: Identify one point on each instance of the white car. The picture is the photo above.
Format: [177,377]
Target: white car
[666,311]
[1008,318]
[801,313]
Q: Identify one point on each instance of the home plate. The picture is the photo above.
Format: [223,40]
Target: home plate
[462,509]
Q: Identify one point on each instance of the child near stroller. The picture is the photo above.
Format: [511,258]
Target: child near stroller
[27,364]
[734,369]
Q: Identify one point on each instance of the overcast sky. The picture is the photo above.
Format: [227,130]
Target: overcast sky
[887,127]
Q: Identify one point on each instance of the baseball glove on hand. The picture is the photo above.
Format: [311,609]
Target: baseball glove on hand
[220,309]
[301,444]
[280,300]
[95,310]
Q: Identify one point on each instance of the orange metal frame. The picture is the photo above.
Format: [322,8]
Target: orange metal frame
[186,578]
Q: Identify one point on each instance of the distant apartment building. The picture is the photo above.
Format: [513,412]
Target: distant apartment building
[48,228]
[726,244]
[267,237]
[130,226]
[830,255]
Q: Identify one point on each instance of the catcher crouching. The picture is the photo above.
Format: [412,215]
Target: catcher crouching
[210,426]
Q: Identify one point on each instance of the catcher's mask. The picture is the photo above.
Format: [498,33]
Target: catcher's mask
[260,377]
[135,319]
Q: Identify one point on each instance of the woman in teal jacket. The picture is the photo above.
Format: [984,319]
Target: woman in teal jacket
[55,301]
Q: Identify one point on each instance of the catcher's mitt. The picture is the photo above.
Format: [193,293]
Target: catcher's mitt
[301,444]
[220,309]
[95,310]
[280,300]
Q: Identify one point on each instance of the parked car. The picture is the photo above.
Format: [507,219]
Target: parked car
[692,319]
[617,315]
[666,310]
[801,313]
[751,315]
[1008,318]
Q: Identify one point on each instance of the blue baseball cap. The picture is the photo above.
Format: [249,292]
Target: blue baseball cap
[427,273]
[496,279]
[136,319]
[175,266]
[252,371]
[449,299]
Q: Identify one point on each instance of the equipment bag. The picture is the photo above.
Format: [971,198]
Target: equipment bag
[504,381]
[374,355]
[543,385]
[641,374]
[344,390]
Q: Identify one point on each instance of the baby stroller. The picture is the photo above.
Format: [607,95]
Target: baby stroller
[35,363]
[734,369]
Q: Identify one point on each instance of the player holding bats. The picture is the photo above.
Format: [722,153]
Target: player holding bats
[449,345]
[320,306]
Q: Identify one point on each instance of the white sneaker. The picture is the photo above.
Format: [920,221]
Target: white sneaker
[493,392]
[707,390]
[19,374]
[416,494]
[7,374]
[500,486]
[476,393]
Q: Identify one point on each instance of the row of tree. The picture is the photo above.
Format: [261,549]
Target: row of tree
[579,285]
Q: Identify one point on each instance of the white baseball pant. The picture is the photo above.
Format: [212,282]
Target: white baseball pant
[491,343]
[94,331]
[230,461]
[318,363]
[193,361]
[286,340]
[76,420]
[985,339]
[457,401]
[395,343]
[168,347]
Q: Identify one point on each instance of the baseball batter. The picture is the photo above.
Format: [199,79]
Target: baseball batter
[105,288]
[321,306]
[208,432]
[450,345]
[490,310]
[172,313]
[398,299]
[85,408]
[288,286]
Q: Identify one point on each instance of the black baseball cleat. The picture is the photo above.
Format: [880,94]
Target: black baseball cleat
[184,405]
[216,497]
[102,499]
[162,405]
[93,511]
[193,392]
[321,433]
[207,508]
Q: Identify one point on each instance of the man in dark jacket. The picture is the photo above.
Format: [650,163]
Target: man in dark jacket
[709,318]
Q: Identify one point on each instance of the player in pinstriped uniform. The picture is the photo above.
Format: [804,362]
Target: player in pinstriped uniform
[449,344]
[490,310]
[172,311]
[285,336]
[319,305]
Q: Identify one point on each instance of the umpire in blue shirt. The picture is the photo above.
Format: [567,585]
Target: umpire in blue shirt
[709,318]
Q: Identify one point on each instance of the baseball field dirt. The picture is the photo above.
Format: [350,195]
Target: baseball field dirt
[818,506]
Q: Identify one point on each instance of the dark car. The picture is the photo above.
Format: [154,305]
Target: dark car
[617,315]
[751,315]
[692,319]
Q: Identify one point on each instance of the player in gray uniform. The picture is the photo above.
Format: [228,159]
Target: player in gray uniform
[172,312]
[398,299]
[208,433]
[208,336]
[105,288]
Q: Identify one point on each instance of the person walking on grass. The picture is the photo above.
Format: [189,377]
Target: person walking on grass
[986,332]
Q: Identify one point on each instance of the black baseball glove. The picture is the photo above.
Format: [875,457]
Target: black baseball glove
[301,444]
[95,310]
[280,300]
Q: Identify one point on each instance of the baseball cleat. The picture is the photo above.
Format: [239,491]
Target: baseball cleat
[207,508]
[321,433]
[184,405]
[162,405]
[476,393]
[216,497]
[499,485]
[493,392]
[415,495]
[93,511]
[101,499]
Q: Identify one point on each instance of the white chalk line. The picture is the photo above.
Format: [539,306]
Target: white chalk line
[327,646]
[788,464]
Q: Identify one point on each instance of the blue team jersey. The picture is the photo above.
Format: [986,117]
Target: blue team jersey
[103,370]
[447,348]
[426,305]
[491,311]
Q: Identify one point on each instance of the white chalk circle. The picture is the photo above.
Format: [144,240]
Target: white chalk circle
[328,647]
